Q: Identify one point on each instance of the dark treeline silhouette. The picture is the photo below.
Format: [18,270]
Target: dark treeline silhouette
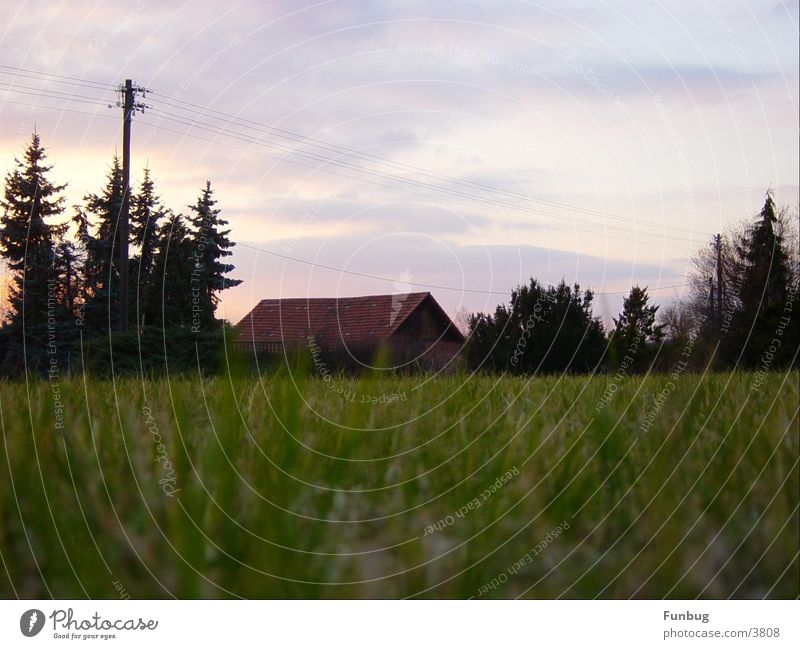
[743,312]
[61,311]
[541,330]
[753,318]
[62,305]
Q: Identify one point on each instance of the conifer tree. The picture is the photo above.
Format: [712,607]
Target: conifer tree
[27,245]
[96,223]
[147,213]
[633,330]
[543,330]
[763,296]
[210,247]
[169,292]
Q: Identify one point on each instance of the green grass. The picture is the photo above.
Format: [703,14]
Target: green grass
[285,489]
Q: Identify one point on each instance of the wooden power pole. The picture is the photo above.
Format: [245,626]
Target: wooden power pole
[129,107]
[719,280]
[711,299]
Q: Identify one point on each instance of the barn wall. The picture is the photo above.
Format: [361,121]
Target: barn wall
[441,355]
[425,340]
[426,324]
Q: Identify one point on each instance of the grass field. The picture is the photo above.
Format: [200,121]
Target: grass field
[448,488]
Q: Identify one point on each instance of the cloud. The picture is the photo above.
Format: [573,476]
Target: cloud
[471,90]
[481,276]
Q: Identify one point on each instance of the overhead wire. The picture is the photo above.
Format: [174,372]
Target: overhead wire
[52,94]
[372,182]
[297,137]
[347,151]
[53,76]
[383,278]
[340,151]
[418,184]
[58,108]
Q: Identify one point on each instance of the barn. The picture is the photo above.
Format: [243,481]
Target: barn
[410,330]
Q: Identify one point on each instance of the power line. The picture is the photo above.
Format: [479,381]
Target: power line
[343,150]
[58,108]
[375,182]
[349,152]
[121,231]
[53,75]
[182,104]
[54,94]
[421,185]
[339,151]
[32,77]
[418,284]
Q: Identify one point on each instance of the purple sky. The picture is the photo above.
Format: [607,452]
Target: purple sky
[671,117]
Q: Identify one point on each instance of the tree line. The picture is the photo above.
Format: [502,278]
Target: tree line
[61,308]
[63,280]
[742,312]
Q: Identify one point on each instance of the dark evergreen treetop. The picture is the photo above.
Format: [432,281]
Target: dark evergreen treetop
[211,247]
[635,327]
[28,246]
[147,211]
[543,330]
[29,198]
[637,317]
[147,214]
[766,271]
[766,275]
[64,278]
[96,226]
[168,294]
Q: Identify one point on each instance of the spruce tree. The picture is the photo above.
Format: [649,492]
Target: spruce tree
[635,332]
[764,293]
[169,292]
[29,201]
[147,213]
[96,223]
[211,245]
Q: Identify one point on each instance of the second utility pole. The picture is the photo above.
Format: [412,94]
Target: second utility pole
[719,280]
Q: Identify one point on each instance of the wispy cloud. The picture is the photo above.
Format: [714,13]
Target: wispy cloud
[561,101]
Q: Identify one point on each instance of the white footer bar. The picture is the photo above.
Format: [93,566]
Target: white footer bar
[389,624]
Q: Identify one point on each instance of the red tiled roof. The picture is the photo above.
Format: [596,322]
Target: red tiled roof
[334,322]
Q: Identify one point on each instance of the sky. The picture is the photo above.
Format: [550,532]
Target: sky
[461,145]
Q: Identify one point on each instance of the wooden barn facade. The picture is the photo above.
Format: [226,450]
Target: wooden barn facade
[410,330]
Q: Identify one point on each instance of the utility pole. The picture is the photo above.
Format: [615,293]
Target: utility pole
[129,107]
[719,280]
[711,298]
